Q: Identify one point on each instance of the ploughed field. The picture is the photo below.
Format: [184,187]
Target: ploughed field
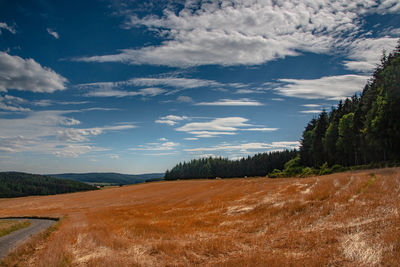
[350,219]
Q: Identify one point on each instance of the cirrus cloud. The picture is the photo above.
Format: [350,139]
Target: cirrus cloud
[232,102]
[165,146]
[247,147]
[220,126]
[53,33]
[171,119]
[250,32]
[329,87]
[4,26]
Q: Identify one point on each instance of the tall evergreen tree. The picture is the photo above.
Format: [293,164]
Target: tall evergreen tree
[361,129]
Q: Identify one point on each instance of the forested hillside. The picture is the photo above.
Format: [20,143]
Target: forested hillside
[258,165]
[362,130]
[17,184]
[110,177]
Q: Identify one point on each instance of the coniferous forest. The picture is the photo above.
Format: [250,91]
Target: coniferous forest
[361,130]
[257,165]
[17,184]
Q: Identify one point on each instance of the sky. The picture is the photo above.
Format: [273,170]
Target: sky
[138,86]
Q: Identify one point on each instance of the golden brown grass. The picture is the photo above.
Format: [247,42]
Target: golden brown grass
[349,219]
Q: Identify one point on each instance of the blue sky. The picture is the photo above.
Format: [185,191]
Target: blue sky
[137,86]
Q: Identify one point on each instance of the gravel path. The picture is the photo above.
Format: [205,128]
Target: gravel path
[10,241]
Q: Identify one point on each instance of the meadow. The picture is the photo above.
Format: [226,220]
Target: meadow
[342,219]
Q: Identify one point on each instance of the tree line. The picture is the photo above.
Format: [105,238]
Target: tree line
[17,184]
[257,165]
[363,129]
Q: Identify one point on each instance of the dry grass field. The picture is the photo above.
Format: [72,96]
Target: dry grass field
[346,219]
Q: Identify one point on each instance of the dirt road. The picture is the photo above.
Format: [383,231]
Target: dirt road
[10,241]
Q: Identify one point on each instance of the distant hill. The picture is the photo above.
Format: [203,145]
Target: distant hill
[110,178]
[18,184]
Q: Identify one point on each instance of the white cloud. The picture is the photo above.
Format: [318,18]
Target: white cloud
[6,107]
[156,146]
[28,75]
[175,118]
[74,150]
[35,125]
[12,103]
[260,129]
[110,93]
[365,53]
[173,84]
[231,102]
[50,132]
[43,103]
[151,91]
[220,126]
[68,121]
[389,6]
[209,134]
[311,105]
[73,102]
[77,135]
[53,33]
[169,122]
[119,93]
[249,32]
[312,111]
[4,26]
[394,32]
[191,138]
[184,99]
[100,109]
[109,89]
[171,119]
[184,83]
[163,139]
[160,154]
[329,87]
[48,102]
[14,144]
[248,91]
[247,147]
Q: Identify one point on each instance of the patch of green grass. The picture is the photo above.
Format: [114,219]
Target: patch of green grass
[9,226]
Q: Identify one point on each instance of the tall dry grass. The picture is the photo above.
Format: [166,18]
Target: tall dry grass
[349,219]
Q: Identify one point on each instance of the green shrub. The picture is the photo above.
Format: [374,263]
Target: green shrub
[293,163]
[293,167]
[324,169]
[276,174]
[307,172]
[337,168]
[293,171]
